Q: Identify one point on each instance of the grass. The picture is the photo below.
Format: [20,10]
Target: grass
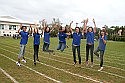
[59,66]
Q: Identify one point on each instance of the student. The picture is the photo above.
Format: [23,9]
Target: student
[23,42]
[46,38]
[36,36]
[62,35]
[90,33]
[101,47]
[77,35]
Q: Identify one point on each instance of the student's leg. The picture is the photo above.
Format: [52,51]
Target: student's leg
[96,52]
[101,58]
[74,53]
[35,50]
[63,47]
[87,53]
[59,46]
[20,53]
[78,52]
[44,46]
[47,47]
[24,46]
[91,52]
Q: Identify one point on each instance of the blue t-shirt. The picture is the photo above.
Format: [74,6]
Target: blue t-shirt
[36,38]
[101,43]
[90,37]
[46,37]
[62,37]
[76,38]
[24,37]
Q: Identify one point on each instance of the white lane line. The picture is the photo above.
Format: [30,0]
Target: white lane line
[8,75]
[88,68]
[32,69]
[88,78]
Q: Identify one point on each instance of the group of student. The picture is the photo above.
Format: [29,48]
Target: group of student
[89,33]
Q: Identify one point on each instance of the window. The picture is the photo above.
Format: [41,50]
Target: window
[1,26]
[12,27]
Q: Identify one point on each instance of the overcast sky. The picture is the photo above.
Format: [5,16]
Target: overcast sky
[109,12]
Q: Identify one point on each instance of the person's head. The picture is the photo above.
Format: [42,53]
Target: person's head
[103,32]
[24,28]
[77,29]
[62,29]
[90,29]
[36,30]
[47,29]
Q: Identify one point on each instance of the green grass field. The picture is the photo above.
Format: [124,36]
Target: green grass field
[59,67]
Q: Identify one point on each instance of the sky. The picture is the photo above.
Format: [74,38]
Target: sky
[105,12]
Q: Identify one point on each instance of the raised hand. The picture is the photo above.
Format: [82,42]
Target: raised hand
[93,20]
[87,20]
[71,22]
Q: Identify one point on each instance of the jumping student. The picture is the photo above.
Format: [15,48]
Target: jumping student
[90,33]
[77,35]
[101,47]
[36,36]
[46,39]
[62,35]
[23,42]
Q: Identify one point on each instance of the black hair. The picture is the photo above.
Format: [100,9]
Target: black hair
[79,29]
[60,29]
[91,28]
[46,29]
[23,27]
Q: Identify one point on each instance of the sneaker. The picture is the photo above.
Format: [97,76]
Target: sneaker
[18,64]
[91,65]
[100,69]
[35,63]
[23,60]
[87,64]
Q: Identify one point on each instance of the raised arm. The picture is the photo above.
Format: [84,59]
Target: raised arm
[94,25]
[19,28]
[30,30]
[85,25]
[70,26]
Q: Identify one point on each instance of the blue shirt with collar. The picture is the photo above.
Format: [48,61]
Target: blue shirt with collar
[76,39]
[24,37]
[62,37]
[36,38]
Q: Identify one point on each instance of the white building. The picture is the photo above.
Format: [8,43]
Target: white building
[9,25]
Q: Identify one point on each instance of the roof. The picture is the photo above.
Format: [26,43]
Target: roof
[13,20]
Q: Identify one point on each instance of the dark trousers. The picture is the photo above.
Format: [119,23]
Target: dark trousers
[45,47]
[36,50]
[101,55]
[89,48]
[74,53]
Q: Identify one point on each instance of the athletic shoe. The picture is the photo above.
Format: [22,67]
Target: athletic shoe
[100,69]
[23,60]
[35,63]
[18,64]
[91,65]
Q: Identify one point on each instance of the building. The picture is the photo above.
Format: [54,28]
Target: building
[10,25]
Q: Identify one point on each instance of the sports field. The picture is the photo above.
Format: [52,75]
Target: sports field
[59,67]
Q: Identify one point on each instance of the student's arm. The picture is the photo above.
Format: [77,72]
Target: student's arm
[94,25]
[44,24]
[19,28]
[104,39]
[70,26]
[30,30]
[85,26]
[52,30]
